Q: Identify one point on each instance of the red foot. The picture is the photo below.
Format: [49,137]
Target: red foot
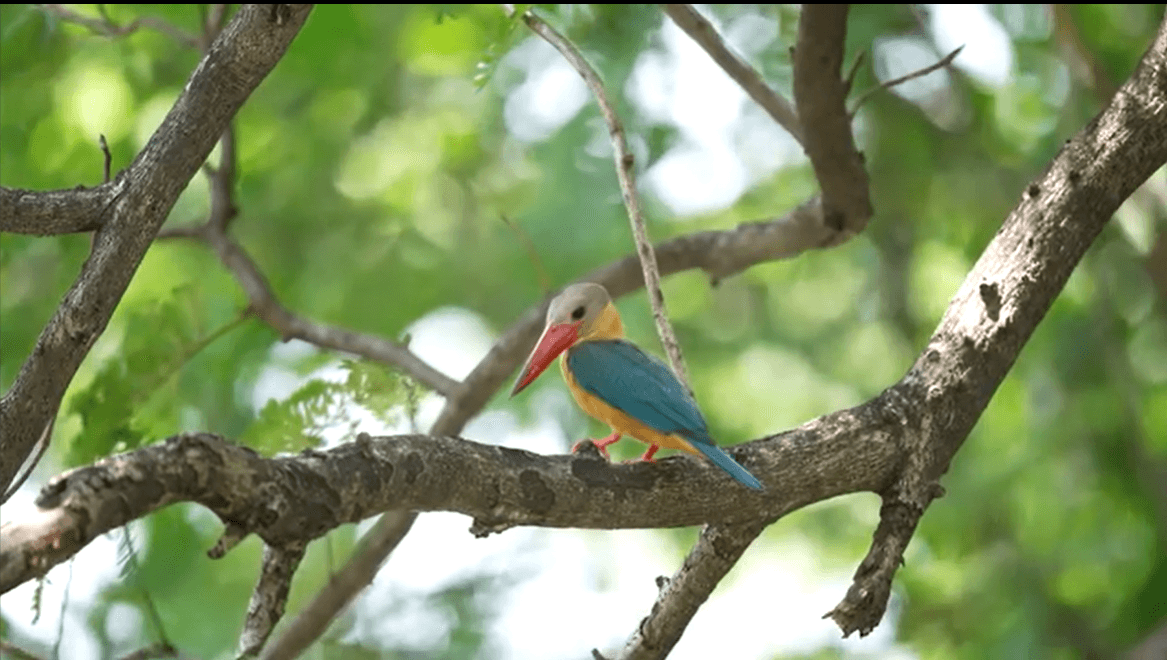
[601,445]
[648,455]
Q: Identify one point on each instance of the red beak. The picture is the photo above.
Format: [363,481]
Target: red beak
[555,340]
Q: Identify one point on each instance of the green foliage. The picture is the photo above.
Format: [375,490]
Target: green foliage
[374,166]
[300,421]
[131,398]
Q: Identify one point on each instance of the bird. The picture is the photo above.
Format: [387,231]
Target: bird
[616,382]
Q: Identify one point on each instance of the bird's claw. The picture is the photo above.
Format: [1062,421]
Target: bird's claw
[581,446]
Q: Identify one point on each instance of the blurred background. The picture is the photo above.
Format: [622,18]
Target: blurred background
[392,170]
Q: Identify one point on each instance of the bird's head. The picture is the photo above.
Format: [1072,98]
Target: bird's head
[583,311]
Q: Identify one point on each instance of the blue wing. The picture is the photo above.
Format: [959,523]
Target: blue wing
[627,378]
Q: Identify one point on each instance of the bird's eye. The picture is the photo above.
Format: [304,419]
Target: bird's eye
[577,313]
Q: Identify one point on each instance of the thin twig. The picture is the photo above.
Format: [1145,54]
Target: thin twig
[706,36]
[859,59]
[290,325]
[106,27]
[627,177]
[64,607]
[107,157]
[945,61]
[532,253]
[191,351]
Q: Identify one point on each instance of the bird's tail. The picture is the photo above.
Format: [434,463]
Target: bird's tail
[726,462]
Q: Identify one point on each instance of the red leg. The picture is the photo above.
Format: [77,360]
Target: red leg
[601,445]
[650,453]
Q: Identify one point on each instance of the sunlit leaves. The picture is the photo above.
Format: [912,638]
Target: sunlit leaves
[319,407]
[131,395]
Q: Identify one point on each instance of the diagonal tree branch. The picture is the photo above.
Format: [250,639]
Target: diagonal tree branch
[311,622]
[140,199]
[290,325]
[1001,301]
[702,31]
[717,550]
[271,594]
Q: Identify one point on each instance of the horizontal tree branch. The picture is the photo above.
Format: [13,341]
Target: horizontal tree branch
[55,212]
[286,500]
[234,65]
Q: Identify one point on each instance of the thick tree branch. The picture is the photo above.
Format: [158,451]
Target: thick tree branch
[271,594]
[286,500]
[55,212]
[706,36]
[820,94]
[238,60]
